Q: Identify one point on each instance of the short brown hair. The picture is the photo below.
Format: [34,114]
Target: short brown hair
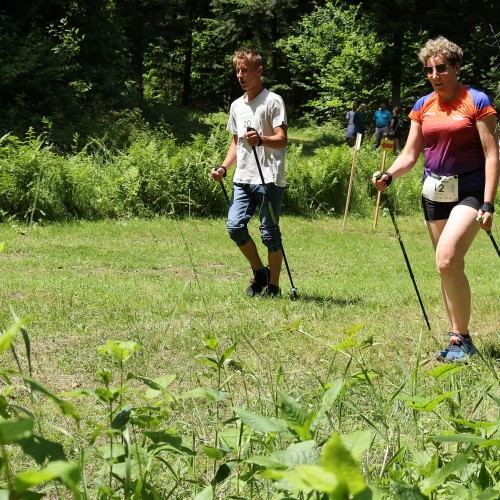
[251,55]
[438,46]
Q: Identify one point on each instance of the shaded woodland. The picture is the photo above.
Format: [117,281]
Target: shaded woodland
[78,68]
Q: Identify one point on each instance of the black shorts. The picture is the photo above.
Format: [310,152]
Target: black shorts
[435,210]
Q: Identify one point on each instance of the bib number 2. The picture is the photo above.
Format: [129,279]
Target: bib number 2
[441,189]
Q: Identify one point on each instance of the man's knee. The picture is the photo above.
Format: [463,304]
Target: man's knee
[239,235]
[271,238]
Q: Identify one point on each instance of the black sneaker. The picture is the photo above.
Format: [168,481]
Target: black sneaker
[272,291]
[460,348]
[258,282]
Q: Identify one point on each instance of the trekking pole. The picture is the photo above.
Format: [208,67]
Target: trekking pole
[407,260]
[271,211]
[490,234]
[398,234]
[351,178]
[224,191]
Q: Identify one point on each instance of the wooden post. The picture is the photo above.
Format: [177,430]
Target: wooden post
[351,179]
[379,196]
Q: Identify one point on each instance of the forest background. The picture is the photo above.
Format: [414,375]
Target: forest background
[76,70]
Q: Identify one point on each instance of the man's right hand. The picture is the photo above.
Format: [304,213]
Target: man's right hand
[218,173]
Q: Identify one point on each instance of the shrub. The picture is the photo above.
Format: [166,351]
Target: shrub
[320,184]
[32,179]
[155,175]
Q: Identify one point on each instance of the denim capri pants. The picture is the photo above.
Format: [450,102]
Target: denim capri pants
[244,201]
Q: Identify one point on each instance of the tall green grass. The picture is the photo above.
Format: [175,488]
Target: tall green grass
[153,176]
[156,175]
[320,184]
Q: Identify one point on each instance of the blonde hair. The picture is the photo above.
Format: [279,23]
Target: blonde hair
[251,55]
[441,46]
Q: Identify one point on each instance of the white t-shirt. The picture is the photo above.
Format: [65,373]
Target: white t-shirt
[264,113]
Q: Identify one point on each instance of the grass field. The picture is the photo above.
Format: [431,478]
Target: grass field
[170,285]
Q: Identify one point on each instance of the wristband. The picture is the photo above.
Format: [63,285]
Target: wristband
[260,141]
[487,207]
[389,180]
[223,168]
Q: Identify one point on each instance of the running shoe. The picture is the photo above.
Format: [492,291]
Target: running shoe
[460,348]
[271,291]
[258,282]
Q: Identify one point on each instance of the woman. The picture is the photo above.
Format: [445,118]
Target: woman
[395,128]
[455,125]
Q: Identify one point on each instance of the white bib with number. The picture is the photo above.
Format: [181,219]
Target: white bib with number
[244,121]
[444,189]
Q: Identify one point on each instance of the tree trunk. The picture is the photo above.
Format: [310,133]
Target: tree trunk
[188,61]
[396,63]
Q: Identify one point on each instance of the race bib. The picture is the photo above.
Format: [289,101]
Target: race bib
[245,121]
[439,188]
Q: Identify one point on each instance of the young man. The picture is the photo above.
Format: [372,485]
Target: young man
[257,120]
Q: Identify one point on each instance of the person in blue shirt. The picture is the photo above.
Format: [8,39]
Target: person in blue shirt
[382,118]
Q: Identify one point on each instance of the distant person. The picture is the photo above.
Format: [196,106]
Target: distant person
[382,118]
[349,118]
[455,127]
[359,121]
[265,112]
[395,128]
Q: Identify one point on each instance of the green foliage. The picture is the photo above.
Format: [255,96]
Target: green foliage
[32,179]
[155,175]
[21,427]
[320,184]
[333,53]
[65,64]
[78,67]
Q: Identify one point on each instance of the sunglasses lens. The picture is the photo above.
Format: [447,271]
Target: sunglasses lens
[440,68]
